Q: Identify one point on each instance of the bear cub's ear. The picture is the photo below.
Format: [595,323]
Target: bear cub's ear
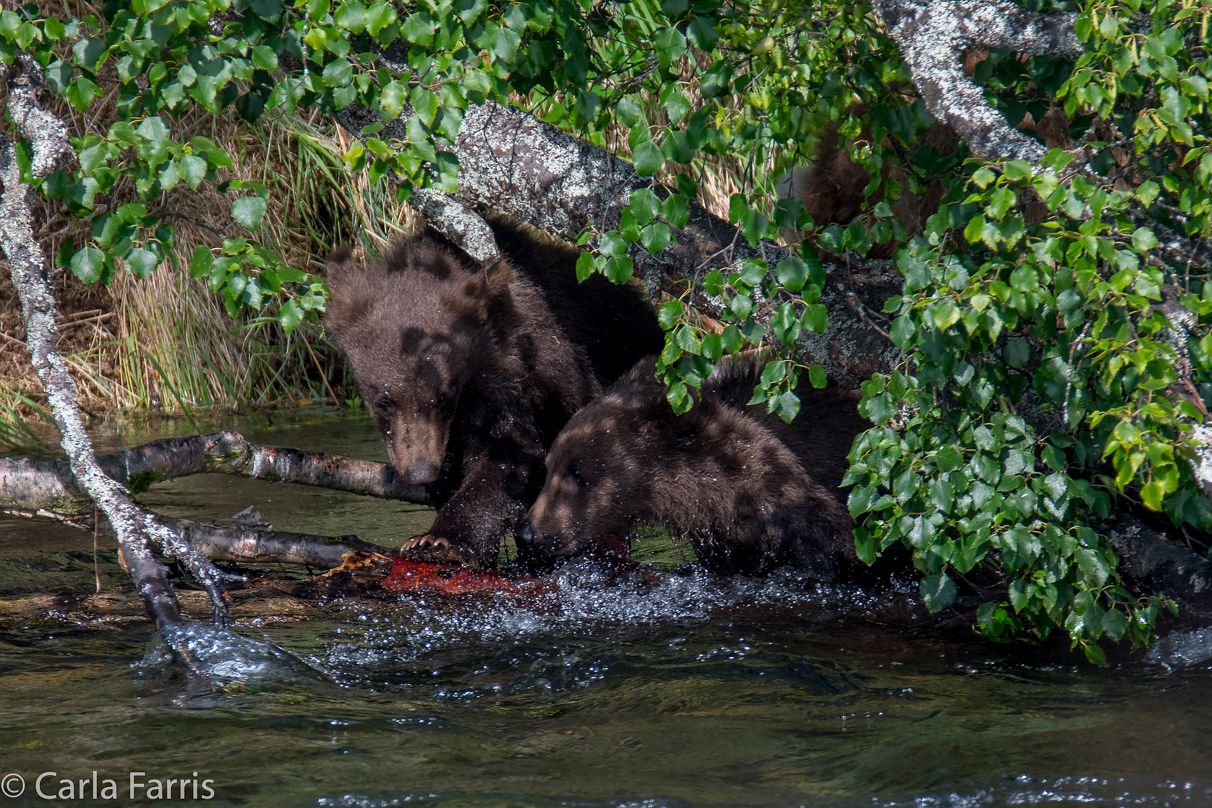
[341,261]
[498,276]
[344,276]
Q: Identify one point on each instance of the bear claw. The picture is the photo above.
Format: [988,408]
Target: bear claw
[436,550]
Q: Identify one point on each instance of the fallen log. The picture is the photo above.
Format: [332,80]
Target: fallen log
[33,485]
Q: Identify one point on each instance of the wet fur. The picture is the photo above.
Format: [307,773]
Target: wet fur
[470,373]
[750,491]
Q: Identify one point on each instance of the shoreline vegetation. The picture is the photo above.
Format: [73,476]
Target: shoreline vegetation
[165,344]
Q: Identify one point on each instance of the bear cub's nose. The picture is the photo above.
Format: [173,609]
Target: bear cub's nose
[422,473]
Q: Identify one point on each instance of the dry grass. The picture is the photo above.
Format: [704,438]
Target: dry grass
[166,341]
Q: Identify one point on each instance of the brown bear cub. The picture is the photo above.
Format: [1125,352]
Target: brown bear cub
[750,491]
[471,372]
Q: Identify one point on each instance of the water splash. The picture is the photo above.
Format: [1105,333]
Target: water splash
[1182,649]
[1028,790]
[553,639]
[222,655]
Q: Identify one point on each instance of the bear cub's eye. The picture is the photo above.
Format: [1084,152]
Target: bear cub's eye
[385,403]
[574,471]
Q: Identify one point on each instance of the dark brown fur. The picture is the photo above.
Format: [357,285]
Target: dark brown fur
[750,491]
[831,188]
[470,373]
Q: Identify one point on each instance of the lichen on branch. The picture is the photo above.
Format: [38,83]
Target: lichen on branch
[933,37]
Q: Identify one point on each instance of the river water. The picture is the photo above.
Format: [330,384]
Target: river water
[669,690]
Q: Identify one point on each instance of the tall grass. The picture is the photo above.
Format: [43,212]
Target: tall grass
[165,343]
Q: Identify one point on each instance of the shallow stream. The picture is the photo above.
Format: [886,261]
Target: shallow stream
[678,690]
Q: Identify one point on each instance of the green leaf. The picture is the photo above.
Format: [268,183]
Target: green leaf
[1196,86]
[792,273]
[1143,239]
[815,317]
[1147,192]
[613,243]
[648,159]
[938,591]
[88,264]
[677,106]
[154,129]
[676,210]
[351,16]
[267,9]
[788,406]
[141,262]
[82,92]
[248,211]
[655,237]
[1017,352]
[948,458]
[1115,623]
[976,226]
[584,266]
[88,52]
[670,44]
[264,58]
[903,330]
[1092,566]
[644,205]
[671,313]
[201,262]
[942,494]
[983,177]
[732,339]
[338,73]
[629,112]
[702,34]
[1151,494]
[290,316]
[379,17]
[505,44]
[1000,202]
[774,371]
[686,338]
[817,377]
[192,169]
[418,28]
[619,268]
[393,99]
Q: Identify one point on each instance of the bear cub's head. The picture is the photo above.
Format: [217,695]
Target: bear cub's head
[602,469]
[414,327]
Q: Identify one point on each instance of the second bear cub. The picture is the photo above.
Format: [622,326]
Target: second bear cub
[750,491]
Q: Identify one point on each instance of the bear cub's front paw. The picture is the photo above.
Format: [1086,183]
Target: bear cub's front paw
[437,550]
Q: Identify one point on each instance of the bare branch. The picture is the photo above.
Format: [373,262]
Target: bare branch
[33,485]
[48,138]
[46,133]
[933,36]
[464,226]
[242,543]
[260,544]
[38,304]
